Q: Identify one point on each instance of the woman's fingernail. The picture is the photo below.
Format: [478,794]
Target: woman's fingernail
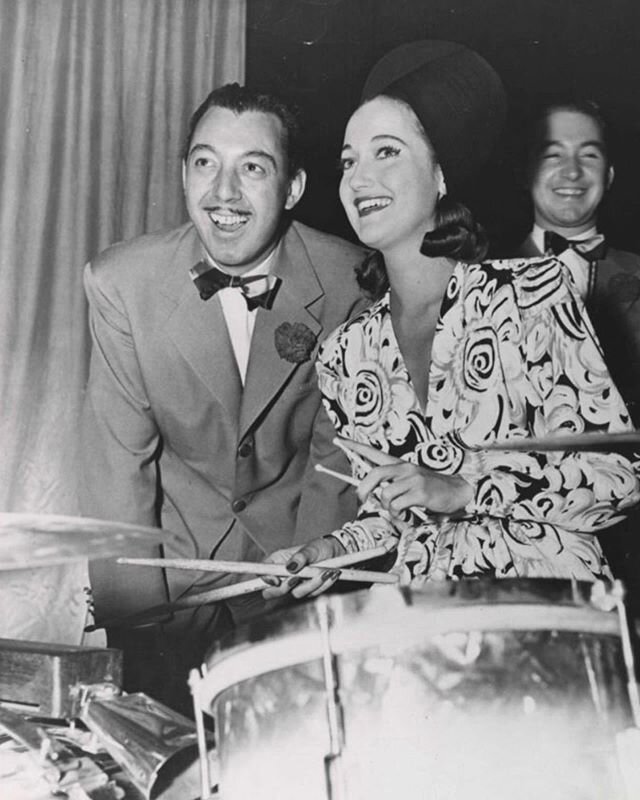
[293,582]
[272,581]
[293,566]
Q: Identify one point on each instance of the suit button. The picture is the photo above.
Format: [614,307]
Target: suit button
[246,448]
[238,505]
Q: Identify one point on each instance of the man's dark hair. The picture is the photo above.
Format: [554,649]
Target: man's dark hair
[239,99]
[539,127]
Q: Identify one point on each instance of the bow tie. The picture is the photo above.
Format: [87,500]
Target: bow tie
[592,249]
[258,290]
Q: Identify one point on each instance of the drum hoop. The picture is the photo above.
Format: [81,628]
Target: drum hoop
[298,648]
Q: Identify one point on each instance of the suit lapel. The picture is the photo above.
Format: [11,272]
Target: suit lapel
[199,331]
[528,248]
[298,300]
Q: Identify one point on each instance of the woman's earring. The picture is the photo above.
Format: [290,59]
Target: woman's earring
[442,186]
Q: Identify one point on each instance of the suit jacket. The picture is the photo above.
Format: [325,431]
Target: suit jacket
[614,308]
[171,438]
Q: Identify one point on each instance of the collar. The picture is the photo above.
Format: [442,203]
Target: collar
[263,268]
[537,235]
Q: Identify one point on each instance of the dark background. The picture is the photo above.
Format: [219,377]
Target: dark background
[318,53]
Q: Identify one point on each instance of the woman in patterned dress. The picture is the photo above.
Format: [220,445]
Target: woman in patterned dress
[457,353]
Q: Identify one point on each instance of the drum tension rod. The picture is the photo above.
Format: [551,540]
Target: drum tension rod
[203,756]
[333,762]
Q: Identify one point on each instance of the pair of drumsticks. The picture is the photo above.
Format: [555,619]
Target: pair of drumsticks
[343,444]
[584,441]
[340,563]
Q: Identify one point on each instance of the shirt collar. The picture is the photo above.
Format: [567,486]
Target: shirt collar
[537,234]
[263,268]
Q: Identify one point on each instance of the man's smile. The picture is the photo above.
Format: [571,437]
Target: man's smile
[228,221]
[570,191]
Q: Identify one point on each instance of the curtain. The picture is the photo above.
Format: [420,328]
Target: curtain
[95,97]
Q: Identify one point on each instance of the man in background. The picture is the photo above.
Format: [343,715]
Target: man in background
[569,173]
[202,414]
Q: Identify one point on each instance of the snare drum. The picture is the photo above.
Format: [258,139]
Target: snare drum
[489,689]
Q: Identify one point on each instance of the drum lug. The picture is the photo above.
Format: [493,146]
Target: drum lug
[334,760]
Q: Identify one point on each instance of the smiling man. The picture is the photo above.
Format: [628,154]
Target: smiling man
[569,172]
[202,414]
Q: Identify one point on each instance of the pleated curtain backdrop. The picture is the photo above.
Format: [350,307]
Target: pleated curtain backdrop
[95,97]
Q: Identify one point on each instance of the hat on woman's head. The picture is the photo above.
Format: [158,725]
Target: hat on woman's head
[457,96]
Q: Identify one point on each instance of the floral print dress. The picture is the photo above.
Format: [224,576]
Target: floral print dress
[514,355]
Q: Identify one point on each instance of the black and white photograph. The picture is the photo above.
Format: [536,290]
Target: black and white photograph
[319,400]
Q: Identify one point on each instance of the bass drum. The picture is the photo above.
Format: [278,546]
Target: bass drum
[487,689]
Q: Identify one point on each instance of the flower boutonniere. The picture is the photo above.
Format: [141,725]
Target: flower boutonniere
[295,342]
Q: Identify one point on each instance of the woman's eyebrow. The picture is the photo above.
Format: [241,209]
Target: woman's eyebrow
[347,146]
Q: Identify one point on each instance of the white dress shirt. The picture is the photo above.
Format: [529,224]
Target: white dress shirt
[240,321]
[579,268]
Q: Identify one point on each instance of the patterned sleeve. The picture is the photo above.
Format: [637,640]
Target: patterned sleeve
[578,491]
[372,525]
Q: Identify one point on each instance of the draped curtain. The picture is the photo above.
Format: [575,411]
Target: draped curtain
[95,97]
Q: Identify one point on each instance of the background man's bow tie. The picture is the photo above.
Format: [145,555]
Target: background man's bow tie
[592,249]
[258,290]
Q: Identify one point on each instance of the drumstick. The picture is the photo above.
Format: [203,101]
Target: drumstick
[592,440]
[244,587]
[254,585]
[278,570]
[341,476]
[354,482]
[257,584]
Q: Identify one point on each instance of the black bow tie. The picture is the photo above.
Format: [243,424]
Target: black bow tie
[592,249]
[258,290]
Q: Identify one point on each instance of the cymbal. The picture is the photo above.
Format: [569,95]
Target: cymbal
[570,441]
[44,540]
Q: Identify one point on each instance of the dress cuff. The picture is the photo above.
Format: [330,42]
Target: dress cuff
[348,541]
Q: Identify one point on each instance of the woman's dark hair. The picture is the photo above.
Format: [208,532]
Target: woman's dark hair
[371,275]
[456,234]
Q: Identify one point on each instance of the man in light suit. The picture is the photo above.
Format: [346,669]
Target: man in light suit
[569,172]
[202,414]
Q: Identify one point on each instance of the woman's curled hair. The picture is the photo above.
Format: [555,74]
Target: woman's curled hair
[456,235]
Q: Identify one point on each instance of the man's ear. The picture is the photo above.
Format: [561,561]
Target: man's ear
[184,175]
[296,189]
[610,176]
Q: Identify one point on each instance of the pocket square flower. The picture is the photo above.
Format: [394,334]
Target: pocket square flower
[295,342]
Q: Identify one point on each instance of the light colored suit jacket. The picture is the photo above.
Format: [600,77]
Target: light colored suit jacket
[170,436]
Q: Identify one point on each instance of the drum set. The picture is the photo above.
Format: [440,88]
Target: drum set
[490,689]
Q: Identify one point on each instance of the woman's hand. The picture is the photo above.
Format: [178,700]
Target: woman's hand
[295,558]
[400,485]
